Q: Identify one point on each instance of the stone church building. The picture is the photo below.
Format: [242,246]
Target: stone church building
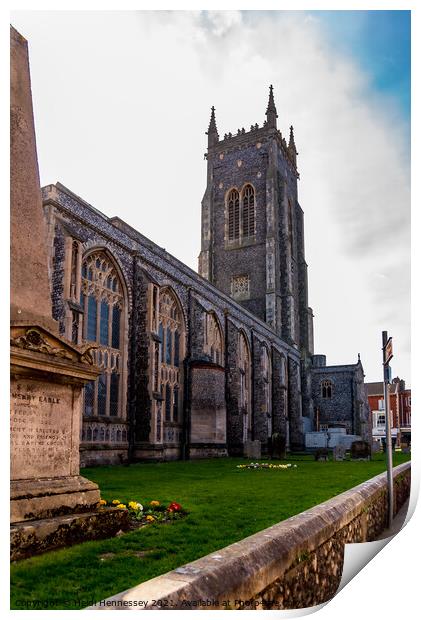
[194,365]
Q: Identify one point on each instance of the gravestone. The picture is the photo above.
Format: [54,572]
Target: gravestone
[376,447]
[360,450]
[339,452]
[322,454]
[253,449]
[47,372]
[278,446]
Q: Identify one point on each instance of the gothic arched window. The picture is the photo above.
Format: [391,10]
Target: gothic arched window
[283,371]
[171,332]
[266,376]
[213,339]
[103,302]
[326,388]
[233,203]
[244,367]
[248,204]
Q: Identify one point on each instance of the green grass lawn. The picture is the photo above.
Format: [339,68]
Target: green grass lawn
[224,504]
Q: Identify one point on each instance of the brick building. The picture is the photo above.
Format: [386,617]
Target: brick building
[400,410]
[196,365]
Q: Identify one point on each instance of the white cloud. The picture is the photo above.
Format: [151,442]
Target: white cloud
[122,101]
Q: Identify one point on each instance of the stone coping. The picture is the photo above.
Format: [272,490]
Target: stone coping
[250,565]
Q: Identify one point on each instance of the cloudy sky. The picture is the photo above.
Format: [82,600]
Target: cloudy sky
[122,101]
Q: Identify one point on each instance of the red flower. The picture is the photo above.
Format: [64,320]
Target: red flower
[174,507]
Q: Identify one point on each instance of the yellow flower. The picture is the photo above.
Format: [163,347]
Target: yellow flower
[116,501]
[154,502]
[133,505]
[150,518]
[102,502]
[122,506]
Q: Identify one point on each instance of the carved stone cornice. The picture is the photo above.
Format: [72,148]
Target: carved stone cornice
[36,350]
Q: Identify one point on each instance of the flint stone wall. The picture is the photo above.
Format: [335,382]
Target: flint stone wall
[294,564]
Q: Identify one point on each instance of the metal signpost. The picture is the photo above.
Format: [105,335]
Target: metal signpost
[387,356]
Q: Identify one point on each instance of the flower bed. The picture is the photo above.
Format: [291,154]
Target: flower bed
[265,466]
[152,512]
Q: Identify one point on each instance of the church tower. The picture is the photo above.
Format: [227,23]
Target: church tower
[253,227]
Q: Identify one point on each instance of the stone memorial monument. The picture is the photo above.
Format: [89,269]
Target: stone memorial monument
[339,452]
[47,372]
[360,451]
[253,449]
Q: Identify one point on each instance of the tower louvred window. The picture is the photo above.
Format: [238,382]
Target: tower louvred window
[248,211]
[233,215]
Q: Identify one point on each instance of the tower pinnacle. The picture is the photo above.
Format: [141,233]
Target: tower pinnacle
[271,114]
[212,132]
[291,146]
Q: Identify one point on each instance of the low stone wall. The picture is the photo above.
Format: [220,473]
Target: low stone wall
[294,564]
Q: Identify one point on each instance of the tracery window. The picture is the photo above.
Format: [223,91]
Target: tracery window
[213,338]
[245,379]
[233,215]
[102,301]
[171,332]
[326,388]
[248,211]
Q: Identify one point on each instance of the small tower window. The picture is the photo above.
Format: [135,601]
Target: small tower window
[326,388]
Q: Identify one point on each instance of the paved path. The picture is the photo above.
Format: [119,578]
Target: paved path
[397,523]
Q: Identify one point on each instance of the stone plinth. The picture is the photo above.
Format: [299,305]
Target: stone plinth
[34,537]
[47,377]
